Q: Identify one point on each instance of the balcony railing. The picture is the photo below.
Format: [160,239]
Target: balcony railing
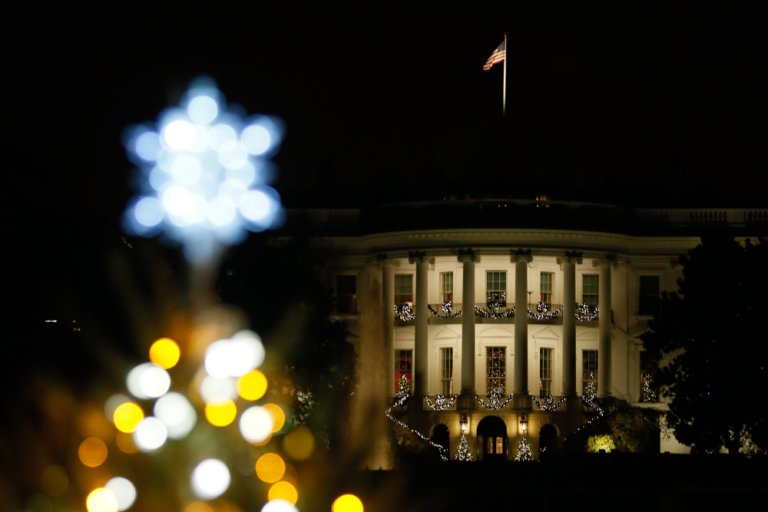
[552,316]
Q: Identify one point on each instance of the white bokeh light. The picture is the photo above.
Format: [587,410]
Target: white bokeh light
[221,210]
[133,380]
[213,389]
[210,479]
[154,381]
[256,424]
[148,146]
[247,353]
[186,169]
[149,211]
[124,491]
[217,359]
[150,434]
[255,205]
[178,415]
[256,139]
[233,155]
[203,109]
[220,135]
[179,134]
[178,200]
[279,505]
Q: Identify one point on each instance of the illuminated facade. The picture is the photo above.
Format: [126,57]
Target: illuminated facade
[486,257]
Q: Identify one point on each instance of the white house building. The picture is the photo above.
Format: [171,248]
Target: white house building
[583,280]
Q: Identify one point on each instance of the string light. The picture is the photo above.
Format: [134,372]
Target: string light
[494,311]
[549,400]
[648,394]
[462,454]
[542,308]
[591,391]
[440,404]
[494,397]
[584,314]
[399,401]
[447,309]
[524,451]
[404,313]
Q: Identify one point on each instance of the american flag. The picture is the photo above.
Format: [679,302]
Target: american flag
[497,56]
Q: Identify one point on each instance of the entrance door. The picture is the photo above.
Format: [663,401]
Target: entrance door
[494,435]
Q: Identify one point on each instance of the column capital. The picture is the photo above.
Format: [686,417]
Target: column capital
[609,259]
[521,255]
[468,256]
[381,259]
[571,257]
[417,257]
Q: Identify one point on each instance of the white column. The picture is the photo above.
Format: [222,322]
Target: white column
[388,302]
[468,391]
[604,330]
[568,264]
[422,322]
[522,399]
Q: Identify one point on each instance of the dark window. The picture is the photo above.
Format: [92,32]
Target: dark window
[346,295]
[591,289]
[404,289]
[649,295]
[589,368]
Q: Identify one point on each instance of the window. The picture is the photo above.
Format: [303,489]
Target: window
[404,289]
[649,295]
[648,367]
[546,286]
[494,445]
[589,365]
[496,287]
[446,286]
[496,370]
[346,295]
[590,292]
[404,366]
[545,372]
[446,365]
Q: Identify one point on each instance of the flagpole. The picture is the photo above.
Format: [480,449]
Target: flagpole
[504,95]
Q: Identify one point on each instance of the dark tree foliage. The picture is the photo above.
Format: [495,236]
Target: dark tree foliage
[713,331]
[277,286]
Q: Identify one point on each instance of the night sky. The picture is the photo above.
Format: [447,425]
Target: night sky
[642,105]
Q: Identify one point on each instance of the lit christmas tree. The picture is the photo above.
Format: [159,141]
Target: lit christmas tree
[524,451]
[403,387]
[648,394]
[591,392]
[463,452]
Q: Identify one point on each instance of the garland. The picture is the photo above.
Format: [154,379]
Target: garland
[440,404]
[494,311]
[405,313]
[447,309]
[584,314]
[549,403]
[542,308]
[402,396]
[494,397]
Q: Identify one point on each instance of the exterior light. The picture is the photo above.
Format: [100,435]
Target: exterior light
[524,423]
[464,422]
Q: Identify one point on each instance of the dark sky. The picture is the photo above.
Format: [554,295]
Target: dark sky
[649,103]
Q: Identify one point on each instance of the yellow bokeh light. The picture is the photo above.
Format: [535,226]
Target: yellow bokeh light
[198,506]
[101,500]
[164,353]
[127,417]
[283,491]
[125,442]
[278,416]
[264,442]
[347,503]
[270,468]
[221,413]
[299,444]
[252,385]
[54,480]
[92,452]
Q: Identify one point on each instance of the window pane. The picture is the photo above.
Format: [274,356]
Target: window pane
[649,295]
[589,366]
[496,369]
[346,294]
[403,366]
[447,371]
[546,282]
[591,289]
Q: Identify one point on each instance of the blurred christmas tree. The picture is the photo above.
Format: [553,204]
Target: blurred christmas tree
[524,451]
[463,453]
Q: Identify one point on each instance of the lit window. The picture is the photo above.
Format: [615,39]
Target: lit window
[346,295]
[446,357]
[546,286]
[496,287]
[545,372]
[590,295]
[446,286]
[404,366]
[649,295]
[404,289]
[648,367]
[495,370]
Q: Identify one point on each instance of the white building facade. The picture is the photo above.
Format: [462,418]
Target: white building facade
[605,281]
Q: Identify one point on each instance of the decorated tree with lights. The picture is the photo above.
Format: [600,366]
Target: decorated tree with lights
[524,451]
[462,454]
[647,393]
[591,391]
